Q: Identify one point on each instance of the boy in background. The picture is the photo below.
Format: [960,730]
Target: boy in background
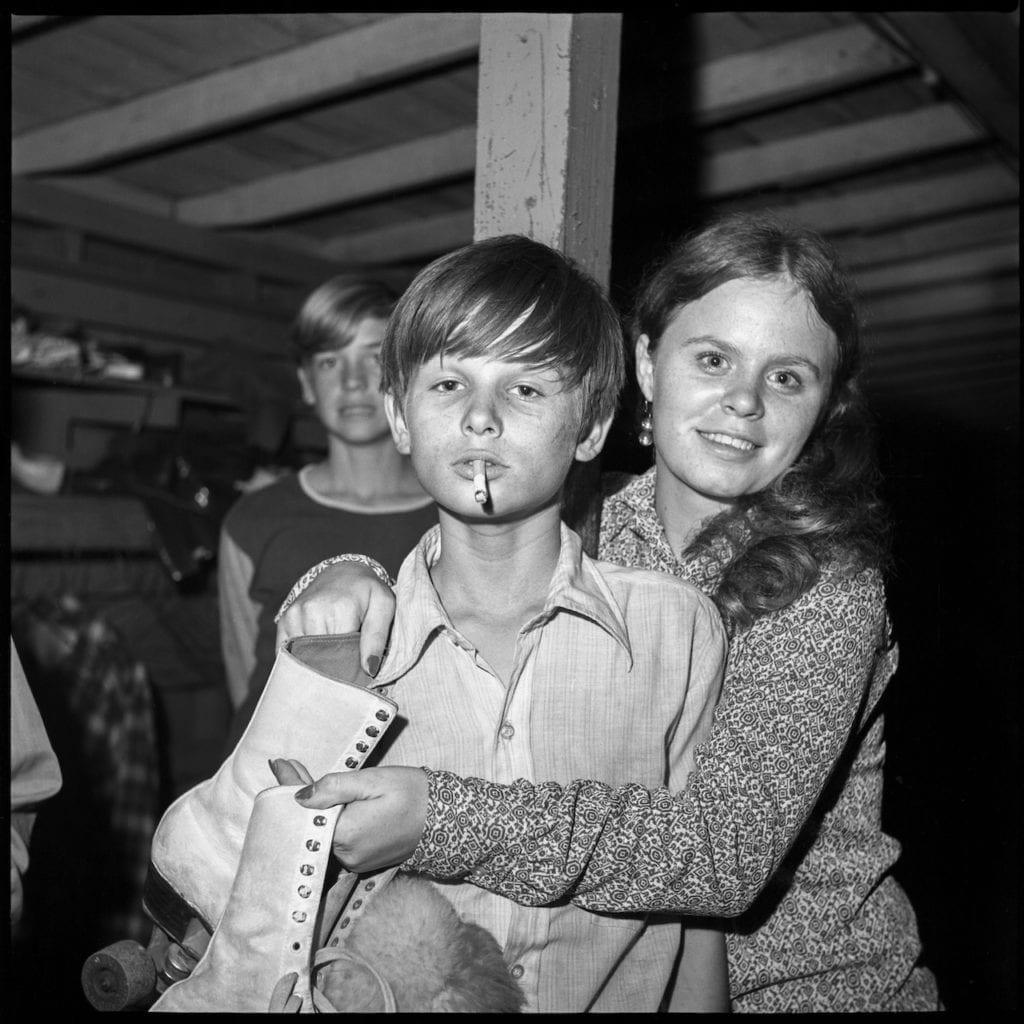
[364,494]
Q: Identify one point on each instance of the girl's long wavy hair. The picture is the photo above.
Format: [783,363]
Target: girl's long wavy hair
[825,507]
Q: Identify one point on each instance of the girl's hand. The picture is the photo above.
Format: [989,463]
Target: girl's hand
[344,598]
[385,811]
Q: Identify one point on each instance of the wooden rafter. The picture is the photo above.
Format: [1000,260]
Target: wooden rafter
[391,169]
[870,209]
[938,332]
[974,53]
[40,202]
[838,151]
[958,266]
[328,68]
[796,70]
[997,349]
[123,307]
[944,300]
[944,234]
[23,22]
[408,240]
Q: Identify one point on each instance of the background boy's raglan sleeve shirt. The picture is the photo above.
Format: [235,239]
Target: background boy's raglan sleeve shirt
[239,615]
[795,684]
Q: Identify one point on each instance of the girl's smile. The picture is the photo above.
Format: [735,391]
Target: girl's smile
[737,382]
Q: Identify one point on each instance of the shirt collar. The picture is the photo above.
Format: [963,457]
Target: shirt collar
[576,587]
[634,508]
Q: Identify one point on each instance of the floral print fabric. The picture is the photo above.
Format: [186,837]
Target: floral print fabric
[778,829]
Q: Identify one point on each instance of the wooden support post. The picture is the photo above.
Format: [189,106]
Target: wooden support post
[545,158]
[546,126]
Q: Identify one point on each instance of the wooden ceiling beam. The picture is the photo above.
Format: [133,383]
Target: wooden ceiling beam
[109,190]
[976,54]
[944,235]
[422,161]
[869,209]
[837,151]
[369,55]
[957,266]
[938,332]
[24,22]
[947,300]
[145,314]
[961,351]
[413,239]
[799,69]
[926,377]
[46,204]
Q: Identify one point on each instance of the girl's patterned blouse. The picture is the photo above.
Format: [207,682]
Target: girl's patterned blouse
[778,827]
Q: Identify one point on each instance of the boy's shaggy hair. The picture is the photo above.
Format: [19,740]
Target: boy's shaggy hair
[330,317]
[512,298]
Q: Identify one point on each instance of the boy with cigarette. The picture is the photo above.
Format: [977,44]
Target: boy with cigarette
[513,654]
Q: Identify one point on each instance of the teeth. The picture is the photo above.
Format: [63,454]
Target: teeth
[733,442]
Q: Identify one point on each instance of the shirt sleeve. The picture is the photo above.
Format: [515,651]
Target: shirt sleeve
[796,682]
[239,617]
[35,774]
[704,685]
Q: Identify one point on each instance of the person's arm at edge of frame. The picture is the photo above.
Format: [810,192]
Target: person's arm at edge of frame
[35,777]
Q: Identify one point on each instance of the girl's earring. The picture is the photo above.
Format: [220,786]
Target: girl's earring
[646,434]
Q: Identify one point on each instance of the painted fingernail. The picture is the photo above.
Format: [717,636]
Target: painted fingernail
[305,793]
[373,664]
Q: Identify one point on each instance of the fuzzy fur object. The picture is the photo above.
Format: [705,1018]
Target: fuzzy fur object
[430,958]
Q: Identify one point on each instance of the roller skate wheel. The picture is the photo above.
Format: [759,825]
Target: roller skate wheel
[118,976]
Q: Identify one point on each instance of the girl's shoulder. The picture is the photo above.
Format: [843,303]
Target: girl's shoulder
[842,601]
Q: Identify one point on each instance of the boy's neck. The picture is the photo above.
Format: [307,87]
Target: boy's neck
[493,578]
[371,474]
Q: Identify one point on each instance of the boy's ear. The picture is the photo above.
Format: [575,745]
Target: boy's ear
[645,367]
[589,447]
[307,389]
[396,420]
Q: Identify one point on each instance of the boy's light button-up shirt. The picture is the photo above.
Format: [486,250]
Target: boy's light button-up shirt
[616,679]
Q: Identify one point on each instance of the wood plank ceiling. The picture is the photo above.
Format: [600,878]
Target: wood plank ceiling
[348,139]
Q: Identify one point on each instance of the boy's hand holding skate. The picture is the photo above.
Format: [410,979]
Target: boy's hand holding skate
[385,810]
[347,598]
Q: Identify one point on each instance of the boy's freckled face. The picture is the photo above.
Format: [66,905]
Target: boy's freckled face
[343,386]
[514,417]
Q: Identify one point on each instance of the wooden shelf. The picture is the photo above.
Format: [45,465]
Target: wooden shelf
[70,415]
[63,378]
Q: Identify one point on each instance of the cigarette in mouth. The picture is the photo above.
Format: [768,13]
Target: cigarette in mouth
[480,481]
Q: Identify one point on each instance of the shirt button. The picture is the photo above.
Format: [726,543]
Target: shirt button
[507,731]
[518,971]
